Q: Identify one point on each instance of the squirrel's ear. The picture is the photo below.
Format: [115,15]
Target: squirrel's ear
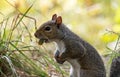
[54,17]
[59,20]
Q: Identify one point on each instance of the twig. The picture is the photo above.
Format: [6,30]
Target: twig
[113,32]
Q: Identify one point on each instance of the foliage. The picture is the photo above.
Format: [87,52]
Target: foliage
[18,52]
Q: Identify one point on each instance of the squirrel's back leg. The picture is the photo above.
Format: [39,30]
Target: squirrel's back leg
[91,73]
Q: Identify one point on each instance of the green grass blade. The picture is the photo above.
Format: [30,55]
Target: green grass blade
[23,16]
[42,73]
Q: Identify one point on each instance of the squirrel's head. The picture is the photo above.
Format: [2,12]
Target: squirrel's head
[50,30]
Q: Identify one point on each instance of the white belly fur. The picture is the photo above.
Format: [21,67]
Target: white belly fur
[75,68]
[60,46]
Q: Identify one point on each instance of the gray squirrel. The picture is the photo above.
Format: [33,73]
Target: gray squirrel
[84,58]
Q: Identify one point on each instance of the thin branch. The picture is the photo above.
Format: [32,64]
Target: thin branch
[113,32]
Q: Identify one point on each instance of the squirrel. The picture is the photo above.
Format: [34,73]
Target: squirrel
[83,57]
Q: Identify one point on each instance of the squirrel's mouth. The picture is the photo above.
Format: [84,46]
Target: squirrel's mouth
[43,40]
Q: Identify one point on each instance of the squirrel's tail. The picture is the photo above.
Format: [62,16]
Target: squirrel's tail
[115,67]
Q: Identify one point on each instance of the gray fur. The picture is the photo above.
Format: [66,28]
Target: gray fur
[90,62]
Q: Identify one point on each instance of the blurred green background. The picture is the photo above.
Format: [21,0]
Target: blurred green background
[96,21]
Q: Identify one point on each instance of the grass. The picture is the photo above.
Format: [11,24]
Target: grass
[112,53]
[116,51]
[19,54]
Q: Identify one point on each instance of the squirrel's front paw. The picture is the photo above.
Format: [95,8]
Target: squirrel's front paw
[57,57]
[60,61]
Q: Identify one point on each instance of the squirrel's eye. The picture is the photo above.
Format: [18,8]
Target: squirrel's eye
[47,28]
